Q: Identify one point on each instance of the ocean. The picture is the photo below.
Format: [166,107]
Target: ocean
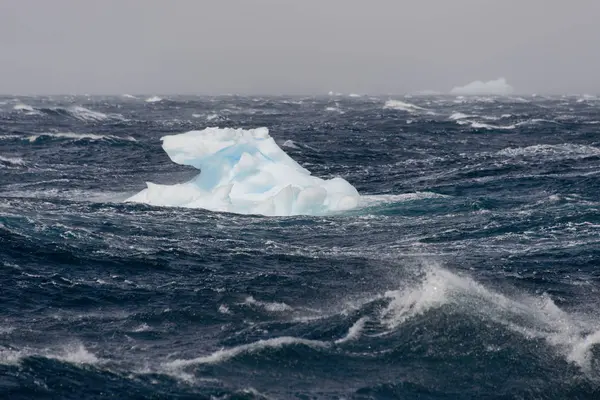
[470,268]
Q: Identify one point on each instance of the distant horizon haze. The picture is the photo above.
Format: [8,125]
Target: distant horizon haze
[270,47]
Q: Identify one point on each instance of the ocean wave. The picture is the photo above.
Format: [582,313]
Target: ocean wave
[382,199]
[27,109]
[224,355]
[457,116]
[76,354]
[78,136]
[565,150]
[572,335]
[77,112]
[403,106]
[12,161]
[269,306]
[154,99]
[481,125]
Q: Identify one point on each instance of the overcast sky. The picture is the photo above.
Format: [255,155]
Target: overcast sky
[296,47]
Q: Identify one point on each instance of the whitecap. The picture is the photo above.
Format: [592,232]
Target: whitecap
[402,106]
[153,99]
[269,306]
[481,125]
[79,136]
[13,161]
[223,355]
[565,150]
[458,115]
[533,317]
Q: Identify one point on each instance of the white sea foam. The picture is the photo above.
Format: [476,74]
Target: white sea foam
[227,354]
[129,96]
[565,150]
[224,355]
[75,354]
[498,87]
[269,306]
[245,172]
[223,309]
[14,161]
[380,199]
[11,357]
[79,136]
[85,114]
[26,109]
[153,99]
[402,106]
[481,125]
[22,107]
[458,115]
[354,95]
[354,332]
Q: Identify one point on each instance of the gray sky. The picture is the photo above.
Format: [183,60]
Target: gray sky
[296,47]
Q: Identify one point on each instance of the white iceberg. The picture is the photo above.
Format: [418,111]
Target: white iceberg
[498,87]
[245,172]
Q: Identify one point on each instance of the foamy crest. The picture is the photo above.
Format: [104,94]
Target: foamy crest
[269,306]
[402,106]
[533,317]
[76,354]
[565,150]
[457,116]
[85,114]
[79,136]
[26,109]
[354,332]
[481,125]
[73,354]
[154,99]
[381,199]
[224,355]
[227,354]
[12,161]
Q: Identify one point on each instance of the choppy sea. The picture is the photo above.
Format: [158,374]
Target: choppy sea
[474,273]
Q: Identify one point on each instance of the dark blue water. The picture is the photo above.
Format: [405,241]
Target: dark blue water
[475,274]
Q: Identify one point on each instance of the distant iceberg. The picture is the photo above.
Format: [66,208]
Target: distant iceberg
[245,172]
[498,87]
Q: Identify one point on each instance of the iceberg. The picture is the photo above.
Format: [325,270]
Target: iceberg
[245,172]
[498,87]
